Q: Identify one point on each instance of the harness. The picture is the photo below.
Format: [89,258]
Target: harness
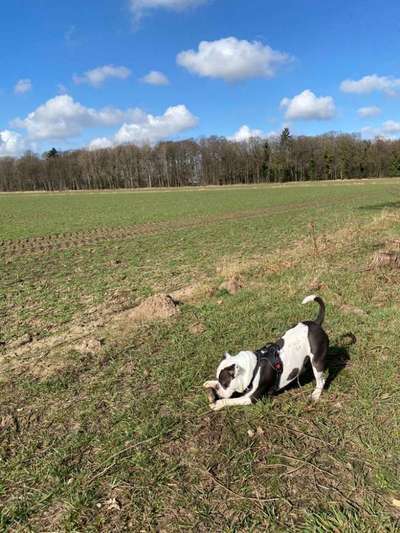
[270,354]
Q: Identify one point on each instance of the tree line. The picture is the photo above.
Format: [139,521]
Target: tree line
[208,161]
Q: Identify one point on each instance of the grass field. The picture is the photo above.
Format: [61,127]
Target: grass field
[120,437]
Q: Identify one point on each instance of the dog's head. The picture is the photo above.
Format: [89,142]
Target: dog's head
[229,376]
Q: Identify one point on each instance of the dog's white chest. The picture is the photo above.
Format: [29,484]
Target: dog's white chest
[295,349]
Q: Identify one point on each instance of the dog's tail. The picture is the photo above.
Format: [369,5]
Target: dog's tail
[321,312]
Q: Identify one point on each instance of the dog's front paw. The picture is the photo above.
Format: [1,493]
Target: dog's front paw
[316,395]
[218,405]
[210,384]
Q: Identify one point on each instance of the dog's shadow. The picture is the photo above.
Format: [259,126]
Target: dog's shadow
[337,359]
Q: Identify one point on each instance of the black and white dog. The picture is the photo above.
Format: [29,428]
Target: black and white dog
[244,378]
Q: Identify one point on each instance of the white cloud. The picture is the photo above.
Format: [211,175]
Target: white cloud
[12,143]
[139,7]
[244,133]
[23,86]
[369,132]
[149,129]
[371,83]
[155,78]
[366,112]
[100,142]
[97,76]
[232,59]
[61,118]
[390,129]
[308,106]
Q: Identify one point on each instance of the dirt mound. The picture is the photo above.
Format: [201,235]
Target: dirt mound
[156,307]
[197,328]
[233,285]
[90,346]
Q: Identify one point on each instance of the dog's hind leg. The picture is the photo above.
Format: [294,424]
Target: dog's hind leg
[319,344]
[320,382]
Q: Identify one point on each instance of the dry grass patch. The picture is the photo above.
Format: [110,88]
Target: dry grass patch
[229,267]
[193,292]
[385,258]
[232,285]
[316,249]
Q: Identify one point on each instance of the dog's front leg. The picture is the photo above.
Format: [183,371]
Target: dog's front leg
[230,402]
[210,384]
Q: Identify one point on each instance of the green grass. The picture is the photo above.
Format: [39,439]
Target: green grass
[34,214]
[123,439]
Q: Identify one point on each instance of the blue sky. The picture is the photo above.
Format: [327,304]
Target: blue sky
[73,72]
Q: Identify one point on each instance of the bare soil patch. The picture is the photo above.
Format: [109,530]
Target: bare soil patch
[88,338]
[157,307]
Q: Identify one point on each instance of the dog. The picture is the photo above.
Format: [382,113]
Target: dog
[244,378]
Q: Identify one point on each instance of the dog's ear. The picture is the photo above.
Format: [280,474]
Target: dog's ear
[226,355]
[232,371]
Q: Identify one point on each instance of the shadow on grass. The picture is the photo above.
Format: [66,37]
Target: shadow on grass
[338,357]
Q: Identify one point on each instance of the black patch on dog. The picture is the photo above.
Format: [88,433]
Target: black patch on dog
[268,377]
[293,374]
[267,381]
[226,375]
[319,344]
[280,343]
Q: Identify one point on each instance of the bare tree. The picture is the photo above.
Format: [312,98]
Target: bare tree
[207,161]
